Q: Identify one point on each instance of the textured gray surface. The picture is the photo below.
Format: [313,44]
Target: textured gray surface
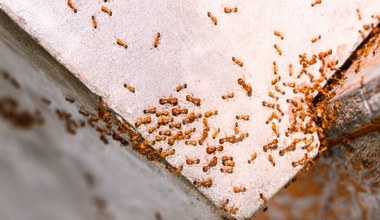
[344,184]
[359,96]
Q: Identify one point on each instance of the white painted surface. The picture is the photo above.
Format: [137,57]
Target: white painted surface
[194,51]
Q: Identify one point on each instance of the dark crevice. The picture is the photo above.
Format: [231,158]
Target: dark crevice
[338,76]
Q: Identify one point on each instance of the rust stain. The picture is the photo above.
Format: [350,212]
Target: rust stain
[284,209]
[356,164]
[305,187]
